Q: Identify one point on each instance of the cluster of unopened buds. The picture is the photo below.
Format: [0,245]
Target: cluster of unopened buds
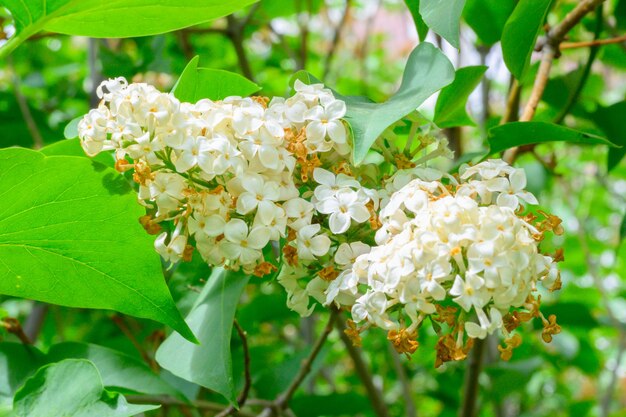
[266,186]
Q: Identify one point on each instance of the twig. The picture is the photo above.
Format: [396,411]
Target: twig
[198,404]
[243,396]
[13,326]
[605,405]
[553,40]
[586,71]
[410,409]
[512,104]
[23,105]
[304,32]
[121,324]
[336,39]
[234,31]
[34,322]
[374,395]
[470,393]
[283,399]
[595,42]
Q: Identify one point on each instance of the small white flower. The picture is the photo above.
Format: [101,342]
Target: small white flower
[311,246]
[241,245]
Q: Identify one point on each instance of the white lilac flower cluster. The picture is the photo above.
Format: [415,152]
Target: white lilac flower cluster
[458,253]
[238,179]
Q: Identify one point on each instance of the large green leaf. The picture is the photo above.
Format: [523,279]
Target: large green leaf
[611,121]
[427,71]
[69,235]
[118,370]
[520,34]
[197,83]
[71,147]
[208,364]
[450,108]
[443,17]
[488,17]
[71,388]
[113,18]
[525,133]
[420,25]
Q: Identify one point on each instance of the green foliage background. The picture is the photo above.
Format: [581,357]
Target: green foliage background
[358,48]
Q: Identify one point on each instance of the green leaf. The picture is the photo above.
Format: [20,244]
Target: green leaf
[487,18]
[71,388]
[71,147]
[17,363]
[443,17]
[611,121]
[525,133]
[422,28]
[118,370]
[114,18]
[427,71]
[450,108]
[520,34]
[197,83]
[69,235]
[208,364]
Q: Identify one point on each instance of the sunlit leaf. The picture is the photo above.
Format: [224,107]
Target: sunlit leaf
[197,83]
[69,235]
[114,18]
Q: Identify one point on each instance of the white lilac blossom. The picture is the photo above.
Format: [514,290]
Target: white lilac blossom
[459,253]
[237,178]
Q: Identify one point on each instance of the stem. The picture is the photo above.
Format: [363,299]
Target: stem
[550,52]
[241,400]
[373,393]
[512,104]
[336,39]
[605,406]
[595,42]
[280,404]
[24,109]
[586,71]
[410,409]
[470,394]
[13,326]
[198,404]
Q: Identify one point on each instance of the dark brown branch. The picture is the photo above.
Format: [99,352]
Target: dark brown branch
[410,409]
[24,109]
[470,394]
[336,39]
[243,396]
[198,404]
[13,326]
[121,324]
[551,51]
[596,42]
[373,393]
[283,399]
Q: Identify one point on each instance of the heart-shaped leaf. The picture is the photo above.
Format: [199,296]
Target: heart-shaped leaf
[69,235]
[197,83]
[208,364]
[71,388]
